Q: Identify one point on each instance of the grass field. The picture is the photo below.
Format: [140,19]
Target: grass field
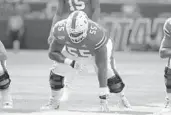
[142,73]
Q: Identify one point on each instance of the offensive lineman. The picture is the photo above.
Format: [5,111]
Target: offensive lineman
[79,40]
[65,7]
[5,80]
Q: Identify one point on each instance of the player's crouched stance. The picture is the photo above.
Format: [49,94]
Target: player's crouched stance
[78,38]
[5,81]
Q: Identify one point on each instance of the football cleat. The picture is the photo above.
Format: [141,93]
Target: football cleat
[104,103]
[166,108]
[53,104]
[167,103]
[124,103]
[7,102]
[7,105]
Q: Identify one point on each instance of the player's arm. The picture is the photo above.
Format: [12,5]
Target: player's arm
[101,63]
[55,50]
[57,17]
[165,47]
[96,10]
[3,54]
[55,53]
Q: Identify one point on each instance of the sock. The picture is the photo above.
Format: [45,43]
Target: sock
[120,95]
[103,91]
[6,95]
[57,94]
[168,95]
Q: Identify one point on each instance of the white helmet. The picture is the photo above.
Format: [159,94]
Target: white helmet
[77,26]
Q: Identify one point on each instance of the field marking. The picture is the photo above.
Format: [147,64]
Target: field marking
[137,110]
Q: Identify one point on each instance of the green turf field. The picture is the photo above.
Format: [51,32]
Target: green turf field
[142,73]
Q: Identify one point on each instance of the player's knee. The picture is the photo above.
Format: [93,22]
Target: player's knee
[4,81]
[56,81]
[115,84]
[167,76]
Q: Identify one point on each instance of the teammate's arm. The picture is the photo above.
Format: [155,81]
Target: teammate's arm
[3,53]
[165,47]
[96,10]
[57,17]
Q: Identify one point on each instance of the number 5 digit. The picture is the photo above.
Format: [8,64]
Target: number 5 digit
[71,5]
[93,30]
[79,5]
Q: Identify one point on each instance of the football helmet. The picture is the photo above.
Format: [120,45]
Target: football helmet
[77,26]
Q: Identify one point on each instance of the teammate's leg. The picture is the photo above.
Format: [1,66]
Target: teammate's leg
[167,76]
[4,79]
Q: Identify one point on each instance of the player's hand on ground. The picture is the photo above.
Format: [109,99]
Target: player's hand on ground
[104,107]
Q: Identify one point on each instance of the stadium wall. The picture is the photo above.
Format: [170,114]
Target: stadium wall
[142,31]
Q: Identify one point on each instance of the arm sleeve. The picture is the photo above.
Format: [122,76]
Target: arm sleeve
[101,63]
[101,41]
[55,51]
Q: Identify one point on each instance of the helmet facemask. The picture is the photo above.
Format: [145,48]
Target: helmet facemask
[77,26]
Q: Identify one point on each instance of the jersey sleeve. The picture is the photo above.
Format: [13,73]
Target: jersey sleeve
[98,35]
[59,31]
[167,27]
[102,40]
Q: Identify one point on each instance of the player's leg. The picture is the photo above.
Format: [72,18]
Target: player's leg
[4,80]
[58,85]
[167,76]
[115,82]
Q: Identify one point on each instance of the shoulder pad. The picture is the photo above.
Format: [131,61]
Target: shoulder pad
[98,35]
[167,27]
[59,30]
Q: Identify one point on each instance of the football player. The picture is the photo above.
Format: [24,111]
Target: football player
[65,7]
[4,80]
[165,52]
[79,41]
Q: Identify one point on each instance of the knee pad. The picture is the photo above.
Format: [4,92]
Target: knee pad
[4,81]
[167,76]
[115,84]
[56,81]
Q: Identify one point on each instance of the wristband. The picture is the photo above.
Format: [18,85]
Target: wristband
[68,61]
[103,91]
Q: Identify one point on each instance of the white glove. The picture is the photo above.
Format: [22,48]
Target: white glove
[78,66]
[74,64]
[104,107]
[104,98]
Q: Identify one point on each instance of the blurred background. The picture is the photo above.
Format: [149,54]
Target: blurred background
[133,24]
